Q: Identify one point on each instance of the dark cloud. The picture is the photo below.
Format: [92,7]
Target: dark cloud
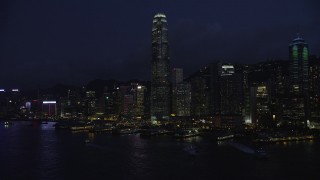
[75,41]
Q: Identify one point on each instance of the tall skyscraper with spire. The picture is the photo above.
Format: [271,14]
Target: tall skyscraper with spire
[160,83]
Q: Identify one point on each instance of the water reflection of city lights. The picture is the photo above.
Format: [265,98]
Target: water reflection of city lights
[91,136]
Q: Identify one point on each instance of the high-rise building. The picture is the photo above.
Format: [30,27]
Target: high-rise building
[109,96]
[126,101]
[70,106]
[183,99]
[200,93]
[299,55]
[49,109]
[273,74]
[138,91]
[139,101]
[160,83]
[226,94]
[226,89]
[177,76]
[181,94]
[299,85]
[90,102]
[314,91]
[260,106]
[10,102]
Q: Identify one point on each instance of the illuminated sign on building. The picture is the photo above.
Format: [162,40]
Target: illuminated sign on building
[49,102]
[227,70]
[49,109]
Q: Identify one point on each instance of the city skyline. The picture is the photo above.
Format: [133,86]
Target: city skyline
[183,89]
[97,44]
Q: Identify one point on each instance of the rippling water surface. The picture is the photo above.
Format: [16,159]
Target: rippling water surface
[38,151]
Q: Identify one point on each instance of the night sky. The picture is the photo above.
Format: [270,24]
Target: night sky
[44,42]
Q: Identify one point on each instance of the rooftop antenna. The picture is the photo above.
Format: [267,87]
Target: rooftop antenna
[298,32]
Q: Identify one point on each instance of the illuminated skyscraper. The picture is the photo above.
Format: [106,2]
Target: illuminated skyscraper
[181,94]
[90,103]
[183,99]
[260,107]
[49,109]
[314,91]
[160,83]
[138,91]
[299,55]
[177,76]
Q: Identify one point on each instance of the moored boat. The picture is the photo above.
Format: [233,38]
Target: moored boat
[186,133]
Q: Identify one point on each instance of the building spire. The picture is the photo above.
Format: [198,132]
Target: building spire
[299,35]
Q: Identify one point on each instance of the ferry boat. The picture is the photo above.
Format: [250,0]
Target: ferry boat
[224,137]
[80,128]
[186,133]
[124,131]
[101,129]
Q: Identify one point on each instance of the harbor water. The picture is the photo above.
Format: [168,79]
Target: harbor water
[38,151]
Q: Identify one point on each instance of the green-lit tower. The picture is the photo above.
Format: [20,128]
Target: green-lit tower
[299,68]
[299,54]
